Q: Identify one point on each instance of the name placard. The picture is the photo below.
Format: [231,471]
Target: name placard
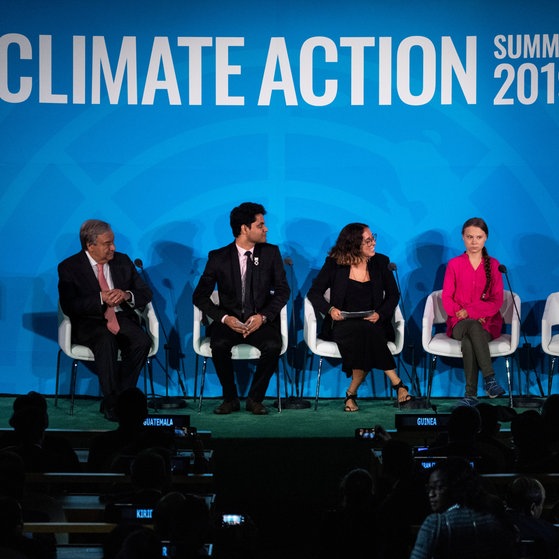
[421,421]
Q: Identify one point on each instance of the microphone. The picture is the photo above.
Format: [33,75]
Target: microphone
[503,270]
[392,267]
[167,402]
[295,401]
[527,346]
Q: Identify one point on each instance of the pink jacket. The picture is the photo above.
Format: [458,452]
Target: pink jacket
[462,289]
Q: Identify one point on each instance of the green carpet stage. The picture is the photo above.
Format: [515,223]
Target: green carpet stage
[282,469]
[328,421]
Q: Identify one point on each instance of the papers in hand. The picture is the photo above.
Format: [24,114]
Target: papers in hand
[356,314]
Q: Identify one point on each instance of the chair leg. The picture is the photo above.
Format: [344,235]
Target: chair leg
[204,364]
[196,377]
[509,367]
[57,383]
[509,379]
[149,368]
[307,366]
[73,380]
[416,383]
[279,387]
[550,377]
[432,365]
[286,377]
[318,384]
[519,369]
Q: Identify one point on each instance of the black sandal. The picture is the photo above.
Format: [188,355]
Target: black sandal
[402,386]
[353,398]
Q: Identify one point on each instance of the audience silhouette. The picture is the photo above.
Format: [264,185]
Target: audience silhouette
[550,416]
[13,542]
[112,451]
[350,527]
[499,456]
[375,516]
[525,500]
[532,452]
[151,477]
[403,501]
[142,543]
[40,451]
[462,439]
[183,521]
[466,521]
[114,541]
[37,506]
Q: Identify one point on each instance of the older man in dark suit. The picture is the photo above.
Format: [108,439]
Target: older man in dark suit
[99,289]
[252,289]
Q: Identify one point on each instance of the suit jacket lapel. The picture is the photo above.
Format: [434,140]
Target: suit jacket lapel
[116,277]
[236,271]
[89,273]
[256,255]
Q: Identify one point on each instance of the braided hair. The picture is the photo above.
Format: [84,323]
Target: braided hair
[480,223]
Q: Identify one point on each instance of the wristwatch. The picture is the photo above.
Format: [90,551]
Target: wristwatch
[264,318]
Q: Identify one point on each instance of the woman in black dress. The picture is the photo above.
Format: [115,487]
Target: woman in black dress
[358,280]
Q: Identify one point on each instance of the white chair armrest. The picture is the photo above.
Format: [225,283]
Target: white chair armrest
[310,326]
[64,332]
[152,323]
[196,333]
[550,318]
[427,322]
[515,323]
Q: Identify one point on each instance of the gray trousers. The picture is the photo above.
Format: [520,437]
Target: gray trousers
[475,352]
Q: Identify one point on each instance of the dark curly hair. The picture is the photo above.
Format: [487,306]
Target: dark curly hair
[244,214]
[347,250]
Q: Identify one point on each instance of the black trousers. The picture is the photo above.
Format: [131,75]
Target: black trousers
[134,345]
[267,339]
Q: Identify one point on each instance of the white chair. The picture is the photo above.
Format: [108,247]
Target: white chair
[550,341]
[78,352]
[201,345]
[436,343]
[328,349]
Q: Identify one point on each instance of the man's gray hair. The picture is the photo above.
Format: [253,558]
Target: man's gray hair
[91,229]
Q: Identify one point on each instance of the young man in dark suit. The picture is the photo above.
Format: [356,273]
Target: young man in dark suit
[99,289]
[253,288]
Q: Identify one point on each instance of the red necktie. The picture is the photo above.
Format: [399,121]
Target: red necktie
[110,314]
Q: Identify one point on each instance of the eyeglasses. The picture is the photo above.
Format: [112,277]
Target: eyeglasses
[371,240]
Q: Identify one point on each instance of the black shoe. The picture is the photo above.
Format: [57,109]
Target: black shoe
[257,408]
[228,407]
[407,402]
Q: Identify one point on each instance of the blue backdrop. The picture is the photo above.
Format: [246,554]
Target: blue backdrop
[159,117]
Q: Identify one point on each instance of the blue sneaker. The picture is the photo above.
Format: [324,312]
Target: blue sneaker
[469,401]
[493,388]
